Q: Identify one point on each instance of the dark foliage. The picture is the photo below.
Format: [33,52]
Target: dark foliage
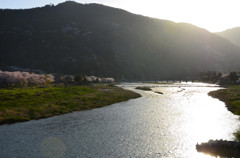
[93,39]
[220,148]
[233,76]
[209,76]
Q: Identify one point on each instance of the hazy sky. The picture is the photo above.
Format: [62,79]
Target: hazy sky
[213,15]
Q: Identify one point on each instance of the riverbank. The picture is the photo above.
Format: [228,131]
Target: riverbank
[231,97]
[23,104]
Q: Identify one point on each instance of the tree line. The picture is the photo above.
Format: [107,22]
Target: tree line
[23,79]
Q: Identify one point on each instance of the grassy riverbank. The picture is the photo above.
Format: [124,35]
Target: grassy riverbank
[23,104]
[231,97]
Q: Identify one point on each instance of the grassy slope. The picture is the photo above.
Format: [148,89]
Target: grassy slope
[22,104]
[231,96]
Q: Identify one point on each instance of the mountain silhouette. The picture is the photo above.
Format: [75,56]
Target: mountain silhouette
[232,35]
[93,39]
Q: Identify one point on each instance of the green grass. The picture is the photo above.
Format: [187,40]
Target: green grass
[237,135]
[23,104]
[231,97]
[144,88]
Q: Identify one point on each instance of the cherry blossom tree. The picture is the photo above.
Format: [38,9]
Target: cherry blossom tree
[22,79]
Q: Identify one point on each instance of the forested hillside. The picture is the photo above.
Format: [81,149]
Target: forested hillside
[93,39]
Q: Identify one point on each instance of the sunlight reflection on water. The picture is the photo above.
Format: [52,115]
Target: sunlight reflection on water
[167,125]
[194,117]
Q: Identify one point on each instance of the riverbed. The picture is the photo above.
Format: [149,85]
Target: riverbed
[156,125]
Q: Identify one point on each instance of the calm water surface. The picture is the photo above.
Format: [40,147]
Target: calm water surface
[155,125]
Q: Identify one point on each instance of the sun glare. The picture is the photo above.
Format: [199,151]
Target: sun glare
[214,15]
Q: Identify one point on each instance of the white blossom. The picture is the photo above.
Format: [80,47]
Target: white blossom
[22,79]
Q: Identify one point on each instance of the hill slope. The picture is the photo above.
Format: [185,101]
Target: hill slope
[97,40]
[232,35]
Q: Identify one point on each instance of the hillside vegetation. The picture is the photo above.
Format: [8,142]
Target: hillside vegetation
[232,35]
[93,39]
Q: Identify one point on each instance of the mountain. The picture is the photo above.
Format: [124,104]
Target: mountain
[92,39]
[232,35]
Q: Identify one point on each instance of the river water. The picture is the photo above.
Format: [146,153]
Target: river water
[167,125]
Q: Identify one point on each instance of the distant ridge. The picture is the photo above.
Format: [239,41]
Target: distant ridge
[93,39]
[232,35]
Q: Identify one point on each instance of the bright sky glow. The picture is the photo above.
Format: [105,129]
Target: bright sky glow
[213,15]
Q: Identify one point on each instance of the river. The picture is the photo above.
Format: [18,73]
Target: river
[167,125]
